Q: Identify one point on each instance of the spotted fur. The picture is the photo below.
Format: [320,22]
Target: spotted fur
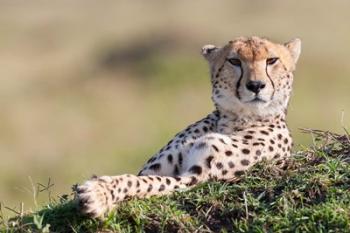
[251,85]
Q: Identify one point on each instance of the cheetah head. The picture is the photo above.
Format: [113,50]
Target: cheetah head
[252,76]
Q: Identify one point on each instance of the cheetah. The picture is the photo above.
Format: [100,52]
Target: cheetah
[251,85]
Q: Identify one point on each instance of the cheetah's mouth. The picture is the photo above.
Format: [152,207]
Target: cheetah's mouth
[257,100]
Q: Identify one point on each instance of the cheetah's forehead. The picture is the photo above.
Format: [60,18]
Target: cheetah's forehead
[252,49]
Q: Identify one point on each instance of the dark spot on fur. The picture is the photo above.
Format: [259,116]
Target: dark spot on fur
[219,165]
[245,162]
[176,170]
[170,158]
[155,166]
[208,160]
[161,188]
[228,153]
[215,148]
[150,187]
[239,173]
[264,132]
[231,164]
[193,181]
[180,158]
[196,169]
[222,141]
[151,160]
[245,151]
[201,145]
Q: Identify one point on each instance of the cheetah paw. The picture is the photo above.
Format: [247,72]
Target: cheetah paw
[92,199]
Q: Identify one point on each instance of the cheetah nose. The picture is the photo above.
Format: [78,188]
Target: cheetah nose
[255,86]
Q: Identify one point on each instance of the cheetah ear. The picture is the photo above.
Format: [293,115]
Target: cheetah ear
[294,47]
[209,51]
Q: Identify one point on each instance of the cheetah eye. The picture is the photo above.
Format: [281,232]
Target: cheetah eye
[271,61]
[235,62]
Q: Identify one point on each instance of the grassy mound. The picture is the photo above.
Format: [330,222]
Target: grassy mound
[310,194]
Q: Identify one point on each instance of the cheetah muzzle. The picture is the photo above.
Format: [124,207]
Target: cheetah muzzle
[251,86]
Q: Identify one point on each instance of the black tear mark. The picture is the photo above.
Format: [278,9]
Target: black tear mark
[272,83]
[238,84]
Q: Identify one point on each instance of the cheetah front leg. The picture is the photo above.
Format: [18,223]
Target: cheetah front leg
[214,156]
[100,195]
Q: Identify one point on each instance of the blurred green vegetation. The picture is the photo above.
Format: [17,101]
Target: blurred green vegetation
[96,88]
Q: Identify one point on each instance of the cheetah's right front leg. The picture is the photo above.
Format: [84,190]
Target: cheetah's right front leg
[100,195]
[214,156]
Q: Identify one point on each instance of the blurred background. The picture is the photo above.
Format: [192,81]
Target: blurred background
[91,87]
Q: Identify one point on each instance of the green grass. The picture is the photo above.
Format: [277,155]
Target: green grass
[74,99]
[309,194]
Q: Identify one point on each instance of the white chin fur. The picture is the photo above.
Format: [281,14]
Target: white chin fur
[250,109]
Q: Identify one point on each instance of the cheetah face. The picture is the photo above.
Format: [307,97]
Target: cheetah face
[252,75]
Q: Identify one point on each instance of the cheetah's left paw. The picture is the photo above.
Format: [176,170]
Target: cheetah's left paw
[92,198]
